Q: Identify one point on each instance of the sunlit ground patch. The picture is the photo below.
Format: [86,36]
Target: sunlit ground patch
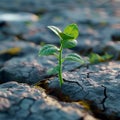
[17,17]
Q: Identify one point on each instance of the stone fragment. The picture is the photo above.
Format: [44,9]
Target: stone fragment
[10,49]
[41,108]
[113,49]
[97,84]
[32,68]
[116,35]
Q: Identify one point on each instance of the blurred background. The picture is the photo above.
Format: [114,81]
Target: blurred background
[26,21]
[23,30]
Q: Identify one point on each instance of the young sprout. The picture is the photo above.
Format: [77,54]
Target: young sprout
[67,40]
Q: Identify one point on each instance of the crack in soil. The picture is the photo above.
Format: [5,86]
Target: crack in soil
[57,94]
[104,99]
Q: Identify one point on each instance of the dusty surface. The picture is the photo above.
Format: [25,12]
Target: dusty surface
[97,84]
[23,30]
[32,104]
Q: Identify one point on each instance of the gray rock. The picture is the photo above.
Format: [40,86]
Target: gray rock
[23,5]
[88,15]
[4,37]
[9,49]
[20,47]
[30,68]
[113,48]
[14,28]
[98,84]
[42,36]
[39,106]
[38,6]
[31,72]
[116,35]
[90,44]
[4,103]
[3,34]
[25,104]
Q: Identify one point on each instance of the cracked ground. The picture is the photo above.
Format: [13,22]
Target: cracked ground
[89,92]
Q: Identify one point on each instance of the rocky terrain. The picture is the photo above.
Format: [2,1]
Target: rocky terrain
[89,92]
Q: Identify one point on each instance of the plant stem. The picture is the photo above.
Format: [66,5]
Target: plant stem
[60,66]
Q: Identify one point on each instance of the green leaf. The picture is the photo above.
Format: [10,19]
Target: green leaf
[95,58]
[54,70]
[56,30]
[65,36]
[69,43]
[107,56]
[74,57]
[48,50]
[72,30]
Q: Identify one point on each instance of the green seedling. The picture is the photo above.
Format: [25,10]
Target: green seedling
[67,40]
[95,58]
